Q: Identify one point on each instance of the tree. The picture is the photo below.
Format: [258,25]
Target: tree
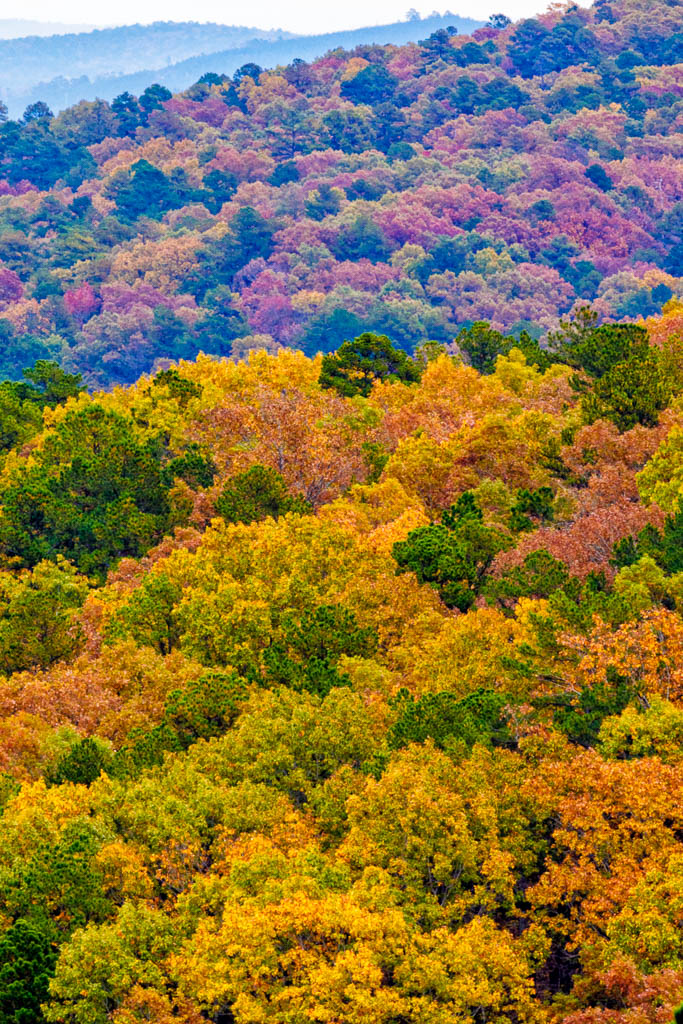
[305,659]
[254,234]
[257,493]
[437,46]
[58,886]
[27,962]
[153,98]
[596,350]
[531,508]
[249,70]
[373,84]
[324,202]
[448,720]
[539,576]
[453,555]
[360,239]
[82,764]
[11,288]
[357,364]
[222,186]
[664,546]
[284,173]
[193,466]
[37,112]
[51,385]
[661,480]
[93,493]
[37,615]
[328,331]
[128,113]
[483,345]
[205,707]
[98,970]
[599,177]
[85,124]
[630,393]
[149,616]
[145,190]
[22,404]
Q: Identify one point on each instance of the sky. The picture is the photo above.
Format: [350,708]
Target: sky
[303,16]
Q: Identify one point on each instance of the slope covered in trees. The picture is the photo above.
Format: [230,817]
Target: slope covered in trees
[410,190]
[348,688]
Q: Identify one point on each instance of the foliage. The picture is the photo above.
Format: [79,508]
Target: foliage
[38,607]
[348,687]
[539,576]
[255,494]
[483,345]
[630,393]
[93,493]
[273,722]
[27,961]
[354,367]
[444,718]
[446,190]
[306,658]
[82,764]
[453,555]
[598,350]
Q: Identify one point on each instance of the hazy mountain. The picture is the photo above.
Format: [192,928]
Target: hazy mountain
[27,61]
[16,28]
[158,53]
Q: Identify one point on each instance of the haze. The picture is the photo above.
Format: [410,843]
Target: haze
[299,17]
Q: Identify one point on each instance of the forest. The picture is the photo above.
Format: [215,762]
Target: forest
[341,540]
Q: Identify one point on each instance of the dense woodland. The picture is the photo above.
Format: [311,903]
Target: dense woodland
[345,685]
[347,689]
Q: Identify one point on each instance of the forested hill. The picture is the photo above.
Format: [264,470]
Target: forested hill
[413,190]
[341,538]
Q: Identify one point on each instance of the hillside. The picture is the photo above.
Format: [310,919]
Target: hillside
[413,190]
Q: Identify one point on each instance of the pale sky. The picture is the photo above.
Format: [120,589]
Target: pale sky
[297,16]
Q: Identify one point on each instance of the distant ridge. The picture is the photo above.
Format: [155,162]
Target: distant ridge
[25,62]
[17,28]
[62,92]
